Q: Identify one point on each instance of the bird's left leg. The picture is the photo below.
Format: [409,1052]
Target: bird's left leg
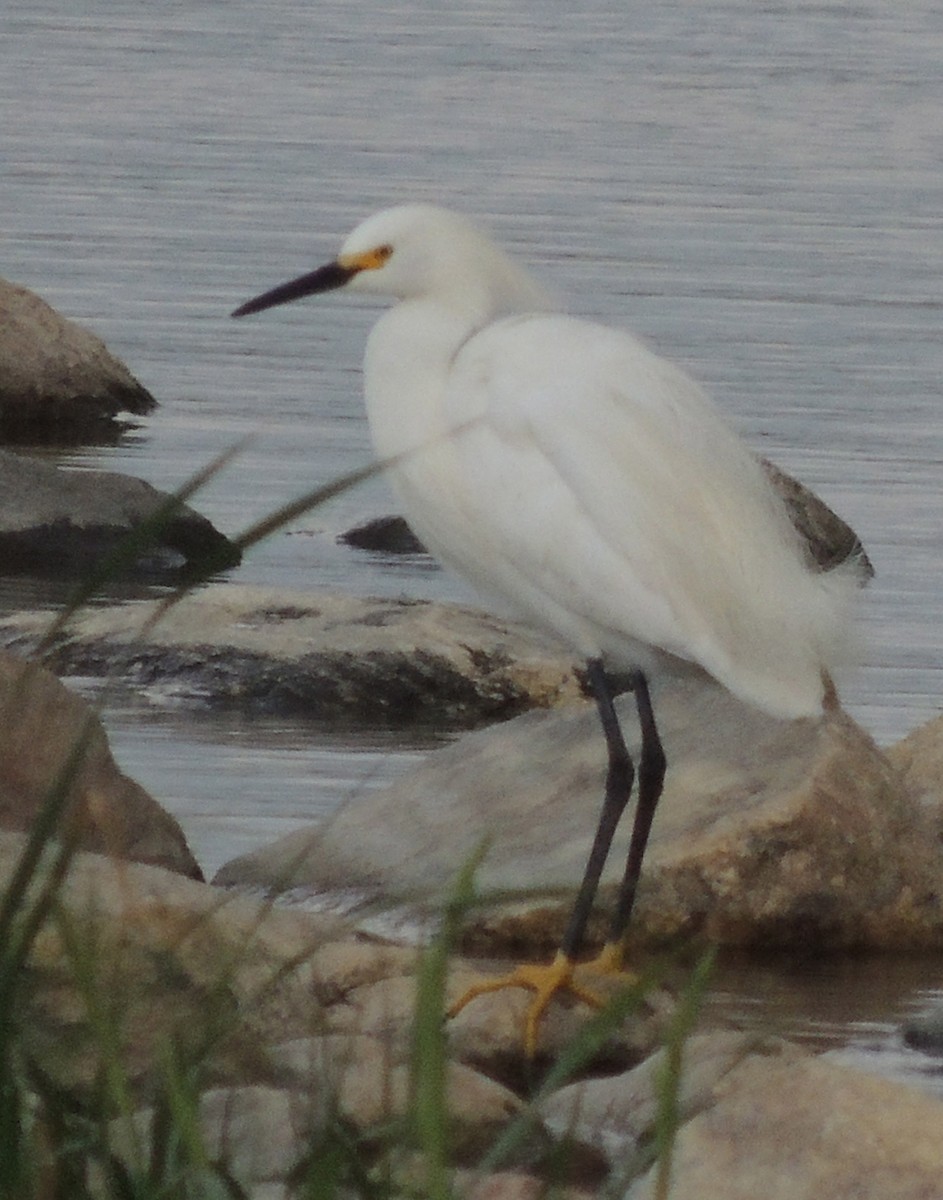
[547,980]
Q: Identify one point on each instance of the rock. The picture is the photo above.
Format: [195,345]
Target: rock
[924,1031]
[512,1185]
[396,662]
[770,833]
[487,1034]
[388,534]
[64,523]
[58,382]
[42,724]
[367,1081]
[617,1114]
[829,541]
[166,960]
[919,759]
[260,1133]
[297,1031]
[793,1127]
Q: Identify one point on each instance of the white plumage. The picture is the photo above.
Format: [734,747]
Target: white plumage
[589,482]
[565,468]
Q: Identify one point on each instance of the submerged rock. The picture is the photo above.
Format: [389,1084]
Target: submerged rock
[64,523]
[924,1030]
[390,535]
[58,381]
[770,833]
[333,657]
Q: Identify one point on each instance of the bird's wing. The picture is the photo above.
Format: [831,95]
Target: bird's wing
[604,479]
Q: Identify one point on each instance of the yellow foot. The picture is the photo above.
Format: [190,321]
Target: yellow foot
[610,961]
[545,982]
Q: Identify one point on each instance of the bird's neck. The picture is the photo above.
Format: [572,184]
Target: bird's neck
[406,366]
[412,347]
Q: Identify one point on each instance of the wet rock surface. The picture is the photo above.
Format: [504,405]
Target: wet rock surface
[333,657]
[58,382]
[64,524]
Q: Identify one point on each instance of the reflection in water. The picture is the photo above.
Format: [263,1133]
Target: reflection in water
[853,1006]
[237,782]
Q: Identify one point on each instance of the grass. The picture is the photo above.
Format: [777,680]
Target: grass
[61,1140]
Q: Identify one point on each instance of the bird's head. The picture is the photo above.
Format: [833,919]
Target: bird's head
[413,250]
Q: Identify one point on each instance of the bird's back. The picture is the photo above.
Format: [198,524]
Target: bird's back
[595,487]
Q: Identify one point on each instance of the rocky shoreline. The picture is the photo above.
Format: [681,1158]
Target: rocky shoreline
[790,834]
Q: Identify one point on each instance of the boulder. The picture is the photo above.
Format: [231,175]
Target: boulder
[618,1114]
[919,760]
[829,541]
[788,1126]
[64,523]
[42,726]
[488,1034]
[770,833]
[367,1080]
[163,960]
[259,1132]
[396,662]
[58,381]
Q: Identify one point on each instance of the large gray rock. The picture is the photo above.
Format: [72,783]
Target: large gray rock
[794,1127]
[42,724]
[64,523]
[58,382]
[770,833]
[326,655]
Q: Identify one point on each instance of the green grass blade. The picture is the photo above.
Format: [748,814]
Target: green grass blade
[430,1046]
[668,1118]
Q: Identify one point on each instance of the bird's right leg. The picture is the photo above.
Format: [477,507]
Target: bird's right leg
[620,774]
[651,778]
[547,980]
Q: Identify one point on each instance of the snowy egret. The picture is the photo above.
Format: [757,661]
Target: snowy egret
[564,467]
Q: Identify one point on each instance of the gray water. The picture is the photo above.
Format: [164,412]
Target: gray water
[755,187]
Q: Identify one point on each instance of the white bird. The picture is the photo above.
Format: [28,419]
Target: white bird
[567,469]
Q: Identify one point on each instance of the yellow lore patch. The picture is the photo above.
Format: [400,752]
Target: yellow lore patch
[369,260]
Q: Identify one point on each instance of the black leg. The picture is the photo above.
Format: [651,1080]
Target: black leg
[651,778]
[619,777]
